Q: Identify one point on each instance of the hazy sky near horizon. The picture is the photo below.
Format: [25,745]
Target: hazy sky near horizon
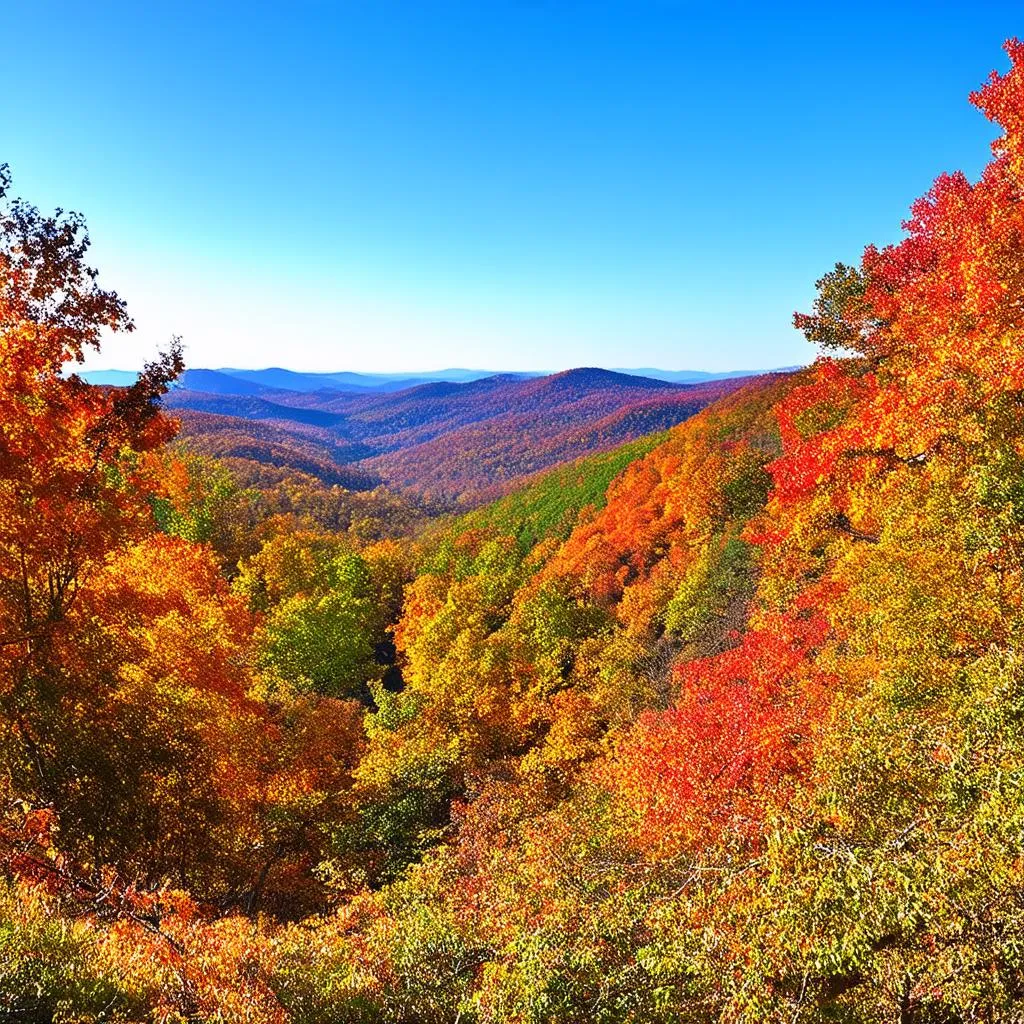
[516,184]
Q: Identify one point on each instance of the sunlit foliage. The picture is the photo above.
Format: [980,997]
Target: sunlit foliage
[724,725]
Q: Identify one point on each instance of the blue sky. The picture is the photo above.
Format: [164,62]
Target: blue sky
[531,184]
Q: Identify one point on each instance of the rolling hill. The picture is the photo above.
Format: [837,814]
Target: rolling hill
[453,442]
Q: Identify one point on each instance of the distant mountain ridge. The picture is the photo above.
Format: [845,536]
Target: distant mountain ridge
[447,441]
[700,376]
[232,381]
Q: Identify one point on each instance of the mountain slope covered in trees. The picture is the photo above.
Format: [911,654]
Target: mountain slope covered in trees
[725,724]
[446,442]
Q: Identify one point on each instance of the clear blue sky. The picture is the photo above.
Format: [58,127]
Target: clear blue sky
[537,184]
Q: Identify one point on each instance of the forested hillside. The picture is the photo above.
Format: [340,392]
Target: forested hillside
[722,724]
[445,442]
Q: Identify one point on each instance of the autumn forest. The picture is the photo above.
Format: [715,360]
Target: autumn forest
[585,698]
